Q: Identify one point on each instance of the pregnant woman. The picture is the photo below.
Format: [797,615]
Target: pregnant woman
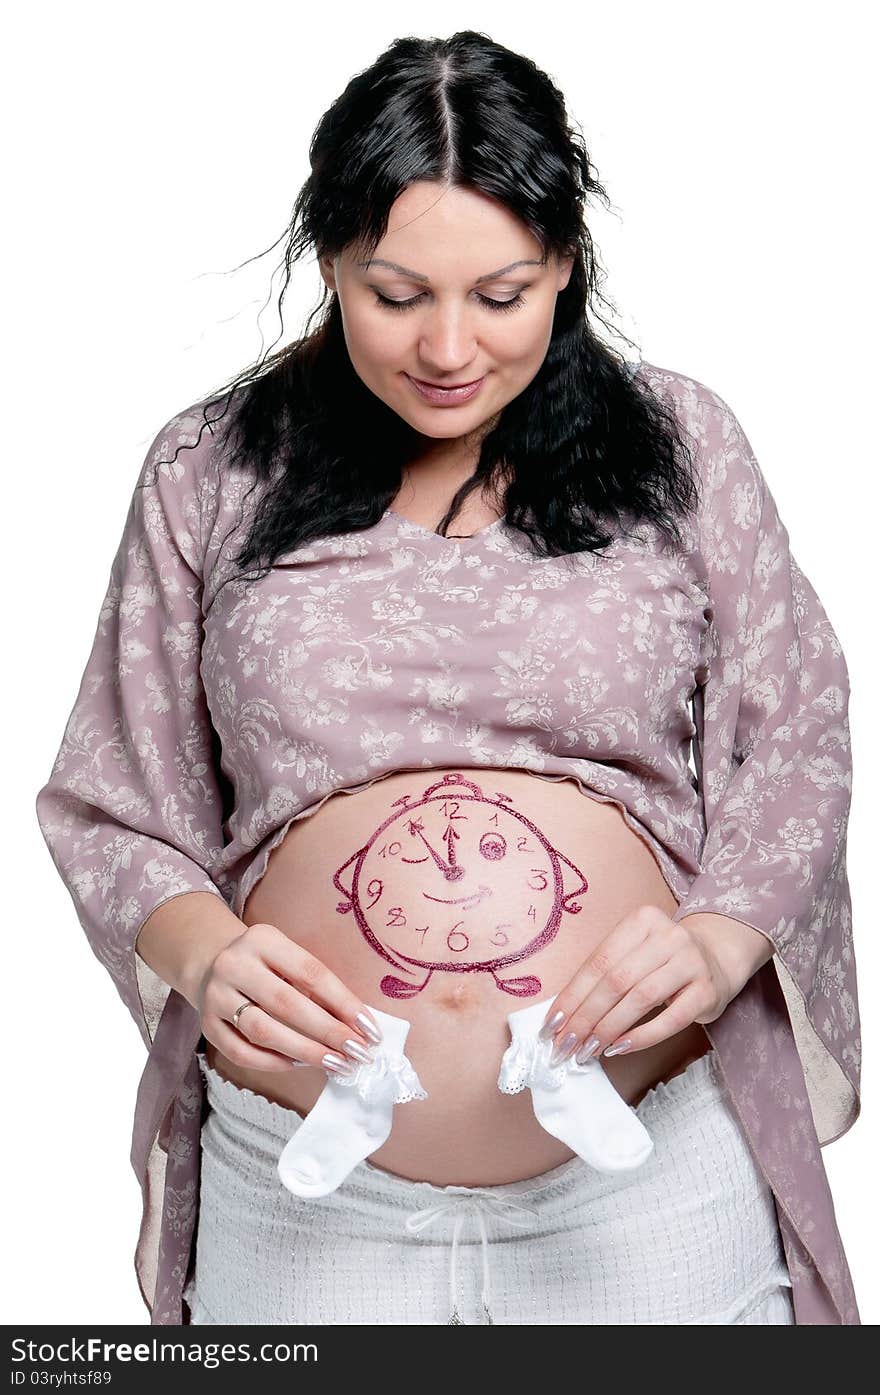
[379,773]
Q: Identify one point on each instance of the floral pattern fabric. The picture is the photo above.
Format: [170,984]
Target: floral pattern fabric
[215,711]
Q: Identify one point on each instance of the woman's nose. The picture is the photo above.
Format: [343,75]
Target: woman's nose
[448,343]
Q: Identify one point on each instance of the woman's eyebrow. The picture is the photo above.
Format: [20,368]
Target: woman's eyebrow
[417,275]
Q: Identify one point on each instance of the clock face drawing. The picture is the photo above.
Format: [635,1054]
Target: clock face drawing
[457,882]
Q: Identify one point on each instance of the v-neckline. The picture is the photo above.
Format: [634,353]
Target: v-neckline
[431,533]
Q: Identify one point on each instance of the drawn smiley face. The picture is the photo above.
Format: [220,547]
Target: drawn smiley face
[457,882]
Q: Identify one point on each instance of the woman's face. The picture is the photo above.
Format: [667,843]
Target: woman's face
[459,311]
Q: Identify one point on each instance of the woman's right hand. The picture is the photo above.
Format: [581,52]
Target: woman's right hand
[302,1014]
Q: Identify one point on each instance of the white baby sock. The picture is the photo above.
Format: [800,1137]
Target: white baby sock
[352,1116]
[575,1103]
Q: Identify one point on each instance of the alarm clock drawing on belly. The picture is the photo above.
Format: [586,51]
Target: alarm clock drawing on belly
[457,882]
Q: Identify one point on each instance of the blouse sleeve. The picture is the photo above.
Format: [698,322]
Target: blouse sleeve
[132,812]
[772,752]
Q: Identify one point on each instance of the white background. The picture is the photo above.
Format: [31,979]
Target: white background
[151,148]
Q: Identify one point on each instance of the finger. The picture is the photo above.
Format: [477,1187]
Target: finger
[282,1018]
[242,1052]
[294,1006]
[649,992]
[286,968]
[627,982]
[317,982]
[627,935]
[682,1012]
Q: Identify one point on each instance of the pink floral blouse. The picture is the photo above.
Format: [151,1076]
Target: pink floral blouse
[212,713]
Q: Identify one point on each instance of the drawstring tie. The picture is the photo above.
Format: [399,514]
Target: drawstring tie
[479,1203]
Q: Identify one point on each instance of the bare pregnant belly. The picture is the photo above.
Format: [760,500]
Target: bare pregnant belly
[451,898]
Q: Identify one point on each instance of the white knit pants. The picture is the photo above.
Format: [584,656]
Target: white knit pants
[690,1237]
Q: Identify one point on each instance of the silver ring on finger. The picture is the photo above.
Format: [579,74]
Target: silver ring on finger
[239,1010]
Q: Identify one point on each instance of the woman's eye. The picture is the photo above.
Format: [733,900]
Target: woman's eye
[513,304]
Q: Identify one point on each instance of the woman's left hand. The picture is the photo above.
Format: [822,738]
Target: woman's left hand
[646,960]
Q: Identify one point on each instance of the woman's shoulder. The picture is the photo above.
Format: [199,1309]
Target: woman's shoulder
[187,465]
[721,450]
[188,446]
[693,399]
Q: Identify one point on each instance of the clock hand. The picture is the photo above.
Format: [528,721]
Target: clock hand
[449,869]
[450,835]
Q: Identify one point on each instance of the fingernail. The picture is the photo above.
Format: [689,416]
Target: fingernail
[337,1064]
[355,1049]
[618,1046]
[563,1049]
[549,1028]
[368,1027]
[586,1051]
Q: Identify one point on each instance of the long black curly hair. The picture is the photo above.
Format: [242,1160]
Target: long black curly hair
[584,446]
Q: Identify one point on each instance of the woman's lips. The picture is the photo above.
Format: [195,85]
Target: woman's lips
[446,397]
[429,382]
